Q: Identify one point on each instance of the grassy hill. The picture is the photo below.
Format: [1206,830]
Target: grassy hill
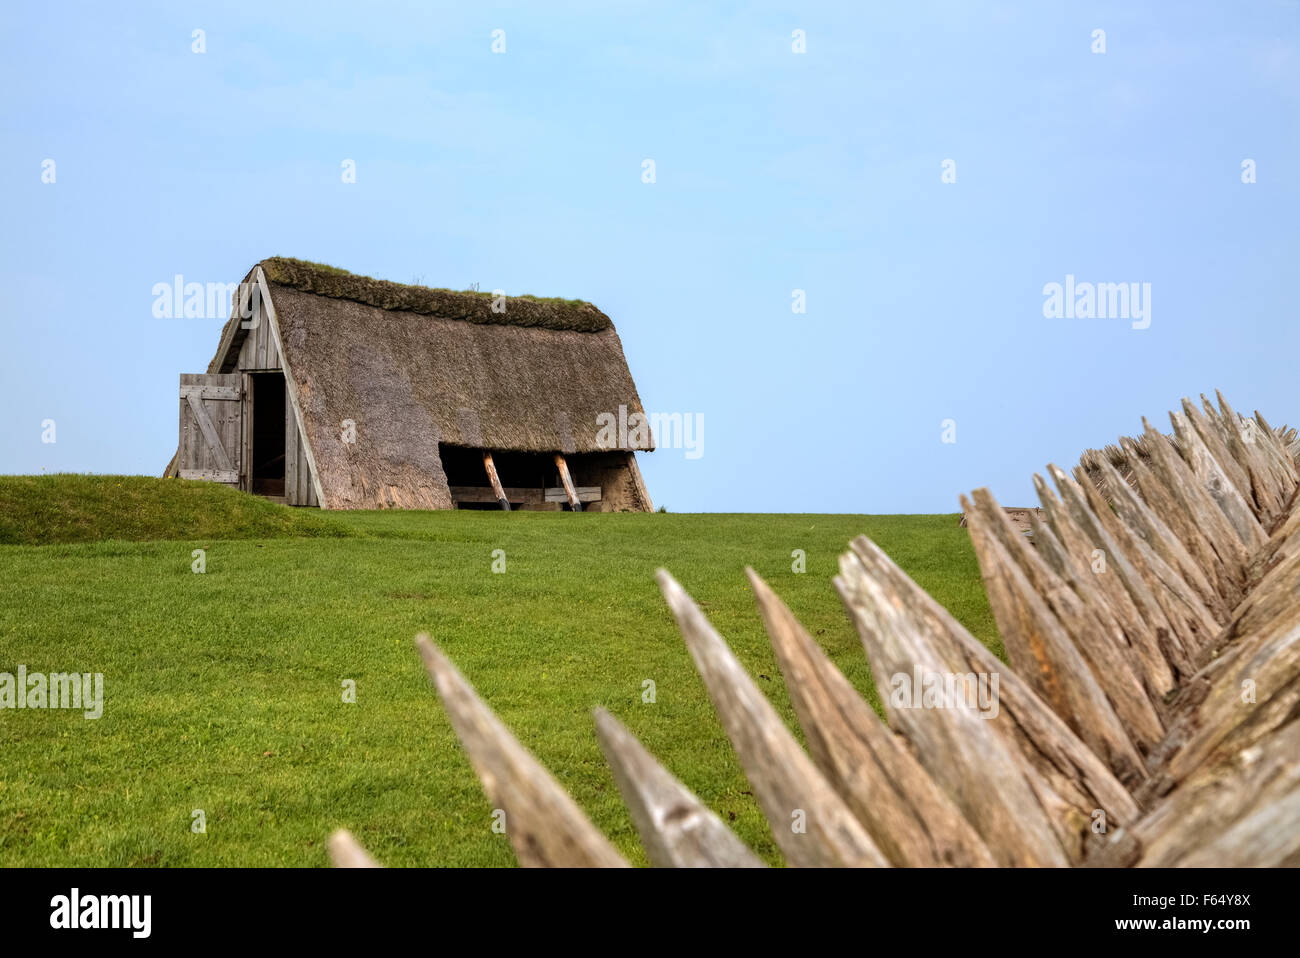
[37,510]
[223,691]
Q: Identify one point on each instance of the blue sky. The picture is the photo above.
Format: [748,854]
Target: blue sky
[775,171]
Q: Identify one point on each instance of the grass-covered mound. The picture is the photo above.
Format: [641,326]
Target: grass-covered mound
[43,510]
[225,691]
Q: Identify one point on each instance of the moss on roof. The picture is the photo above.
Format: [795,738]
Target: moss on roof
[468,305]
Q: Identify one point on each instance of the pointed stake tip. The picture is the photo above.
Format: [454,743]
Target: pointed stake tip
[607,727]
[678,599]
[346,852]
[433,657]
[667,583]
[672,590]
[762,591]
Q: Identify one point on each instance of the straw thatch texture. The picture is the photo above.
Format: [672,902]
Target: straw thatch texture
[411,381]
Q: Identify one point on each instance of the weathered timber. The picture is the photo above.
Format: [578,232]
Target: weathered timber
[574,503]
[1215,480]
[1022,769]
[490,467]
[1213,435]
[211,427]
[266,311]
[1200,506]
[1054,662]
[1191,624]
[908,815]
[1085,552]
[545,826]
[1155,627]
[1143,523]
[346,852]
[1240,811]
[526,496]
[810,822]
[1167,504]
[676,828]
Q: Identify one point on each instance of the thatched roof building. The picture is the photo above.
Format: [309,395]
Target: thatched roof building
[404,396]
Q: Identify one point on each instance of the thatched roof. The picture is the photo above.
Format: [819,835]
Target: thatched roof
[468,305]
[415,368]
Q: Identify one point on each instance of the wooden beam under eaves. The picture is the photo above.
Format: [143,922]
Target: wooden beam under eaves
[491,468]
[574,502]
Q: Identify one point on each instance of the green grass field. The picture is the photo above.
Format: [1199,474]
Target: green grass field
[223,691]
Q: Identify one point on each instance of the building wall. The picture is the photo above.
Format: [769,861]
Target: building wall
[620,490]
[610,471]
[258,355]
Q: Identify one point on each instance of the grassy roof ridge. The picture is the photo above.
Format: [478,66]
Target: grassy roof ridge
[468,305]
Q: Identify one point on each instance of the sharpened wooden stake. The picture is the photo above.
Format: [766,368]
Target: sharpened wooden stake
[1144,523]
[1197,502]
[491,468]
[1165,502]
[1242,810]
[1053,641]
[346,852]
[908,815]
[1184,644]
[1031,806]
[1282,463]
[964,752]
[1095,627]
[1153,644]
[545,826]
[1262,450]
[676,828]
[1213,434]
[1218,483]
[810,822]
[569,491]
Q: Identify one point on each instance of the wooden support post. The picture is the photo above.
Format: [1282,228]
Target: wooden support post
[565,481]
[491,468]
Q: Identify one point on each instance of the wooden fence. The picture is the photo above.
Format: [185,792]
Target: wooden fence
[1150,715]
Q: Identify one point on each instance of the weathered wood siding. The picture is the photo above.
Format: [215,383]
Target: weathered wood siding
[257,355]
[298,487]
[211,441]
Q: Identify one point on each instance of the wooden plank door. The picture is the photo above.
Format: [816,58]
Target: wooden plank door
[211,445]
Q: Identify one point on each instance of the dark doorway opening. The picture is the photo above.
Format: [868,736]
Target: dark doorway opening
[267,472]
